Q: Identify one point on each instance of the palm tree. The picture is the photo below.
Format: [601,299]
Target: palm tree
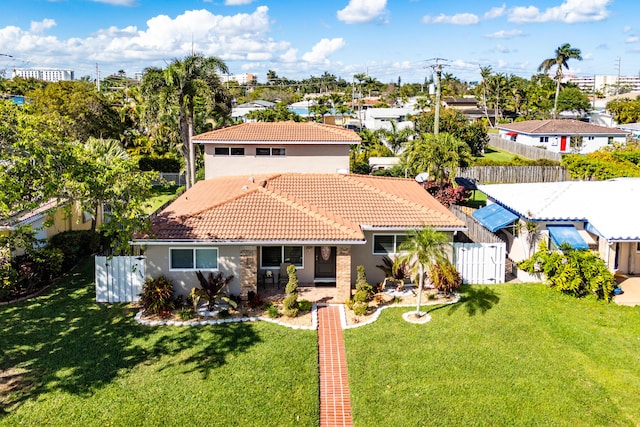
[439,155]
[563,54]
[187,83]
[485,73]
[422,249]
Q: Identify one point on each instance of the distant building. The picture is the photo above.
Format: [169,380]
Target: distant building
[608,85]
[241,79]
[46,74]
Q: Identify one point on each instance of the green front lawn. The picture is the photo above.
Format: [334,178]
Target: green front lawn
[496,155]
[66,360]
[506,355]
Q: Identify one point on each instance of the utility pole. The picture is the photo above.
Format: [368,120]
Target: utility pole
[438,70]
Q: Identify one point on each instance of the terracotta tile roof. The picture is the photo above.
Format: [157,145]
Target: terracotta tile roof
[292,132]
[560,126]
[298,207]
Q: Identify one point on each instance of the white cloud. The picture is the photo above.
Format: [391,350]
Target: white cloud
[118,2]
[362,11]
[626,29]
[41,26]
[458,19]
[569,12]
[322,49]
[505,34]
[236,2]
[502,49]
[495,12]
[290,55]
[632,39]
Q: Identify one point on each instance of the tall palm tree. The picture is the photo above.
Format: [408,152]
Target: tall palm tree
[485,73]
[423,248]
[562,55]
[188,82]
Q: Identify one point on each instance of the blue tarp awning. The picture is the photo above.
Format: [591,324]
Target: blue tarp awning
[566,234]
[494,217]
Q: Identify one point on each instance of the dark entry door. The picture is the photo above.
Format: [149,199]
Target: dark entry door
[325,262]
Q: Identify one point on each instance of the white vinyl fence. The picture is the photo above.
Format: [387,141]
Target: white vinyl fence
[119,278]
[480,263]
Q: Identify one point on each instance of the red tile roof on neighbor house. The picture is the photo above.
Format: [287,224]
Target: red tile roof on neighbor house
[560,127]
[284,132]
[299,207]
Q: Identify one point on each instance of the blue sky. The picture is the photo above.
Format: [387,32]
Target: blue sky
[385,38]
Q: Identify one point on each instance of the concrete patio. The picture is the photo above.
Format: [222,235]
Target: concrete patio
[631,289]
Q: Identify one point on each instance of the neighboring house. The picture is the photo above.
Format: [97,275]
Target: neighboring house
[633,129]
[265,148]
[562,136]
[598,215]
[381,118]
[324,224]
[241,110]
[47,220]
[381,163]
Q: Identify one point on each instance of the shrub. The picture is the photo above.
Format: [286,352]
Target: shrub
[445,277]
[8,279]
[572,271]
[290,302]
[254,300]
[361,296]
[186,313]
[360,308]
[395,270]
[159,164]
[273,312]
[75,245]
[349,303]
[361,280]
[211,288]
[305,305]
[157,295]
[224,313]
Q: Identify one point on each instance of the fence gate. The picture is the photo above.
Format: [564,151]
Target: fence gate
[480,263]
[119,278]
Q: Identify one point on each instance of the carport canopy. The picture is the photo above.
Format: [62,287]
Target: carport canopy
[494,217]
[566,234]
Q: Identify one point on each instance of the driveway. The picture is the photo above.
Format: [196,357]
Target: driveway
[631,288]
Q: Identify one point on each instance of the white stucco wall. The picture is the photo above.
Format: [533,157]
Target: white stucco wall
[298,159]
[554,143]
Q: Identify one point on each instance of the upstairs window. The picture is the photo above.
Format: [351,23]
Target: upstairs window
[221,151]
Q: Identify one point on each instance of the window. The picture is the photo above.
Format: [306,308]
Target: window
[544,139]
[610,140]
[193,258]
[221,151]
[264,151]
[638,247]
[237,151]
[591,138]
[384,244]
[273,256]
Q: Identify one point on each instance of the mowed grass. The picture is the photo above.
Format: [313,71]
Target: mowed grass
[67,361]
[161,194]
[506,355]
[496,155]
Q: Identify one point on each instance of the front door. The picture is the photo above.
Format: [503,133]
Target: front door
[563,144]
[325,265]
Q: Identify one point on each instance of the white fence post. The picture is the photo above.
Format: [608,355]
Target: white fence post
[119,278]
[480,263]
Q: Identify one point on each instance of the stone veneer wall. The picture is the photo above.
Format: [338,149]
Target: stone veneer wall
[248,270]
[343,273]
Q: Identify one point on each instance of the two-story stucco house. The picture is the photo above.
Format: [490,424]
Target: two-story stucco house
[264,148]
[556,135]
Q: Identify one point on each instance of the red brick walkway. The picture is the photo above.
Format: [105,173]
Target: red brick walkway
[335,402]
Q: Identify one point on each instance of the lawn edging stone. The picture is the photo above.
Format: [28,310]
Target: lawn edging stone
[376,314]
[148,322]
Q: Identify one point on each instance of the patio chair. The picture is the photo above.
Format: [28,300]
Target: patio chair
[283,276]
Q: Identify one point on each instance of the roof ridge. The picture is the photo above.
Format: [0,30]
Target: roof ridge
[334,220]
